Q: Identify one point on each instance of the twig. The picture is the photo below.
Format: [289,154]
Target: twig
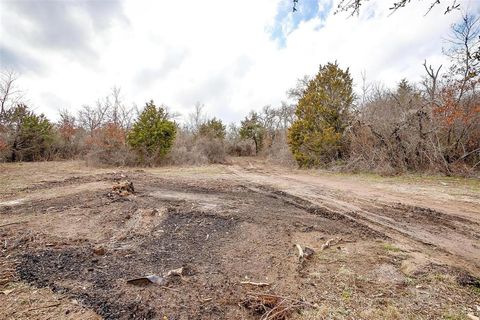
[281,297]
[300,251]
[277,306]
[272,316]
[330,242]
[258,284]
[11,223]
[42,307]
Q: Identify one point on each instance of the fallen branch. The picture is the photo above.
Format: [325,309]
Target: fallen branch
[304,253]
[273,307]
[330,242]
[257,284]
[300,251]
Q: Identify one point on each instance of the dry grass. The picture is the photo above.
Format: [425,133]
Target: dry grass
[20,301]
[19,175]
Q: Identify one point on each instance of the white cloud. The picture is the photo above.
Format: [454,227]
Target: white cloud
[218,52]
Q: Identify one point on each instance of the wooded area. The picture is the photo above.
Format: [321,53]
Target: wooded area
[429,126]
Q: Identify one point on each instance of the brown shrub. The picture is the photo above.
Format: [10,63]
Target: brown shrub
[241,148]
[107,146]
[278,152]
[191,150]
[4,149]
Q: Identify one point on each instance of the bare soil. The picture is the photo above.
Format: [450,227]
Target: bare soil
[400,248]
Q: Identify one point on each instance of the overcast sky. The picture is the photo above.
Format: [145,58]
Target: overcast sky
[232,56]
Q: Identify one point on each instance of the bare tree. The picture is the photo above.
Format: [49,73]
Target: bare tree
[110,109]
[297,92]
[365,88]
[118,113]
[354,6]
[10,95]
[92,118]
[196,118]
[430,82]
[464,43]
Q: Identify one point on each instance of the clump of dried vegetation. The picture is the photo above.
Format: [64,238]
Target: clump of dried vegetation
[273,307]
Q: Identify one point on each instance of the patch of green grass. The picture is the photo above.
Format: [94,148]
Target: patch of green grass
[391,247]
[476,290]
[361,278]
[344,271]
[450,315]
[342,311]
[410,281]
[347,294]
[441,277]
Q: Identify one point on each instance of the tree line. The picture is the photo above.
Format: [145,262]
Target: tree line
[433,125]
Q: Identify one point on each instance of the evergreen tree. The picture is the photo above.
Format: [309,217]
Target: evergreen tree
[153,134]
[213,128]
[316,136]
[30,136]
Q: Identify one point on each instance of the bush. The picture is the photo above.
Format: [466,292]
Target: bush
[69,138]
[26,136]
[152,135]
[191,150]
[212,149]
[213,129]
[241,148]
[107,145]
[279,152]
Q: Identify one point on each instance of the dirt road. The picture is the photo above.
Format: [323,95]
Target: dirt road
[384,248]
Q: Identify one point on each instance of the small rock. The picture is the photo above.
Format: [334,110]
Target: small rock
[100,251]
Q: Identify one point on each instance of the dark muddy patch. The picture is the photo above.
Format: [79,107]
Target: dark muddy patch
[186,239]
[429,215]
[432,218]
